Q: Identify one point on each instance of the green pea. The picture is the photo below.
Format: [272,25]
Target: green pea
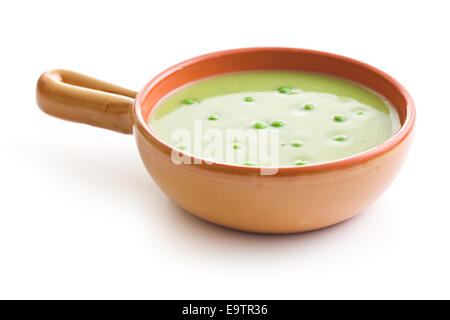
[277,123]
[339,118]
[259,125]
[340,138]
[360,113]
[296,144]
[284,89]
[190,101]
[308,106]
[181,147]
[237,146]
[249,99]
[213,117]
[300,162]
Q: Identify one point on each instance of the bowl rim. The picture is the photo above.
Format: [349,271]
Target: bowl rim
[350,161]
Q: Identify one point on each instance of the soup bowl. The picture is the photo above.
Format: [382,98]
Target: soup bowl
[294,199]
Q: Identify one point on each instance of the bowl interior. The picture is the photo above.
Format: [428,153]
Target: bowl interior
[248,59]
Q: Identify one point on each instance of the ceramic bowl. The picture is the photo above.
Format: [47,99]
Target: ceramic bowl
[295,199]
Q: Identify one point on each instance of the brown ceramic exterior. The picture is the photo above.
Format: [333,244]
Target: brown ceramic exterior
[296,199]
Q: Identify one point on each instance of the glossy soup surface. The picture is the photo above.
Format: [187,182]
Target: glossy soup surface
[274,118]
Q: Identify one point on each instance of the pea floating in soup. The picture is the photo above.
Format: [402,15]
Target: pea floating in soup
[301,118]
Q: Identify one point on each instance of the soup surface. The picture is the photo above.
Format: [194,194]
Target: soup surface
[273,118]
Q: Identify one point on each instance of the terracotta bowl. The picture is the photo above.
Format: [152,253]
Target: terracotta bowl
[296,199]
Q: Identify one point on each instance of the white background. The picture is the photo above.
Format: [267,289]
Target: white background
[81,218]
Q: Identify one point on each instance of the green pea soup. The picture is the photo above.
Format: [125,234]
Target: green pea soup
[311,118]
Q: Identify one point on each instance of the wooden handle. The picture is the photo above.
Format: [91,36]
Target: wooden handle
[75,97]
